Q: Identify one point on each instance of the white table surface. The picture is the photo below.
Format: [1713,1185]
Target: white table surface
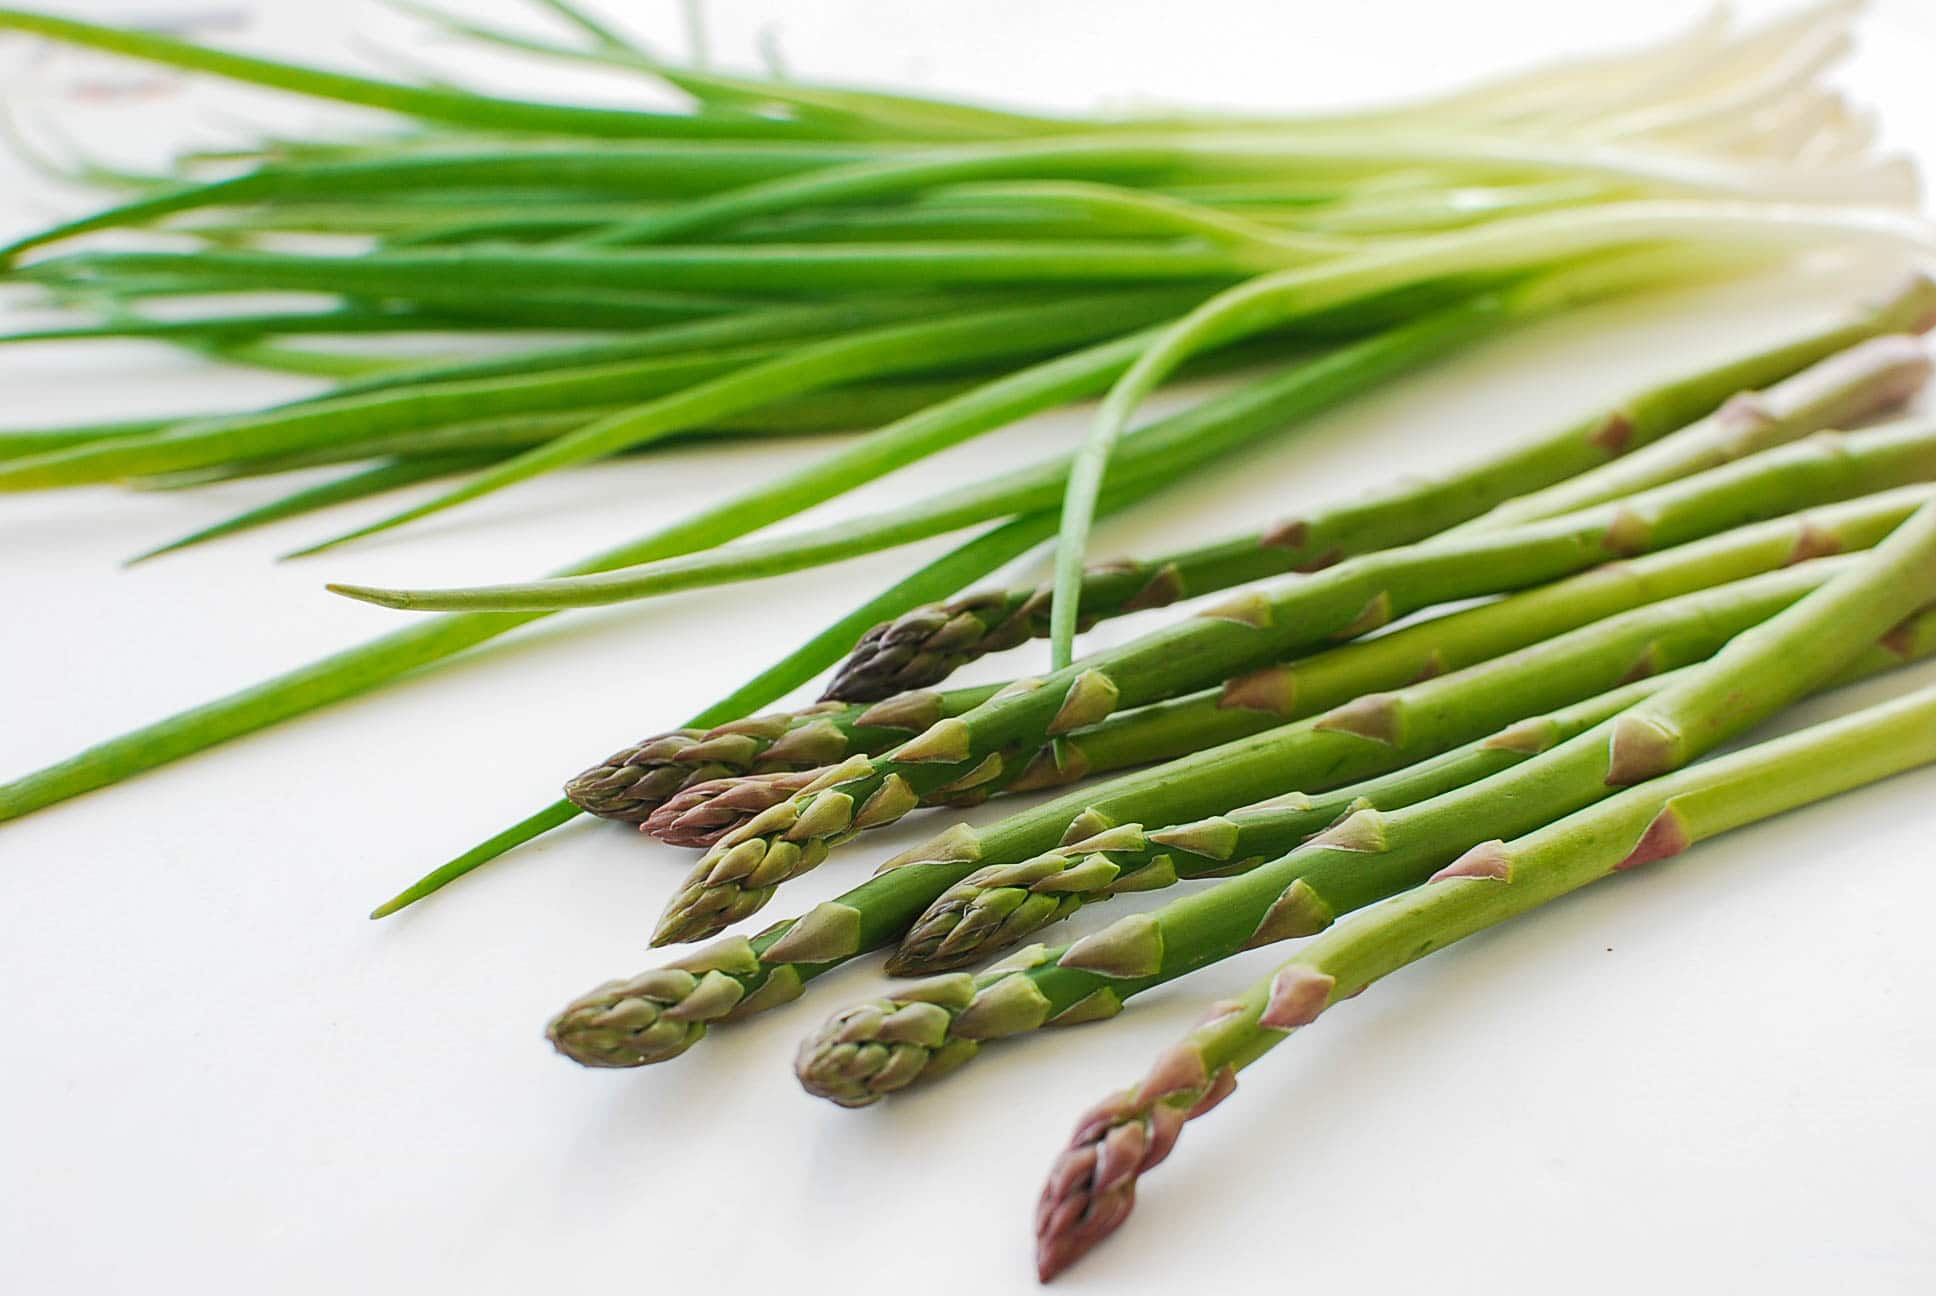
[216,1076]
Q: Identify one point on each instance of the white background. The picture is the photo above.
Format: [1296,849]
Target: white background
[215,1075]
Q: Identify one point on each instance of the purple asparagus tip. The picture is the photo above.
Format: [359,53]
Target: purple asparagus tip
[1092,1187]
[699,815]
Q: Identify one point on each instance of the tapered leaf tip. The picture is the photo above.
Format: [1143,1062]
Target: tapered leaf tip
[370,594]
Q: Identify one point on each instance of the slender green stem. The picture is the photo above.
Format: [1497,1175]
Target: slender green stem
[1157,156]
[328,421]
[335,320]
[886,352]
[543,171]
[431,104]
[480,275]
[357,485]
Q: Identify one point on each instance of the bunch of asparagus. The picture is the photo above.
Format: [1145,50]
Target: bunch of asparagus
[1686,565]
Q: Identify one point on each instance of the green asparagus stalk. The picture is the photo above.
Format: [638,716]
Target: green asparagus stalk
[743,870]
[773,967]
[1092,1187]
[701,813]
[1847,374]
[1374,853]
[1748,423]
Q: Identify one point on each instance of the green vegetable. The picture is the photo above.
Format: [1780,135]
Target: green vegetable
[891,351]
[694,389]
[1092,1186]
[636,780]
[1374,853]
[357,485]
[430,103]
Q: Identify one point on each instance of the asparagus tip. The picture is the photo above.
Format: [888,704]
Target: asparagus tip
[650,1018]
[1092,1187]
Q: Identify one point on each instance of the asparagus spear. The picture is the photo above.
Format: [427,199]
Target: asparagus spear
[632,783]
[1747,423]
[742,871]
[701,813]
[1092,1187]
[865,1053]
[773,967]
[1852,374]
